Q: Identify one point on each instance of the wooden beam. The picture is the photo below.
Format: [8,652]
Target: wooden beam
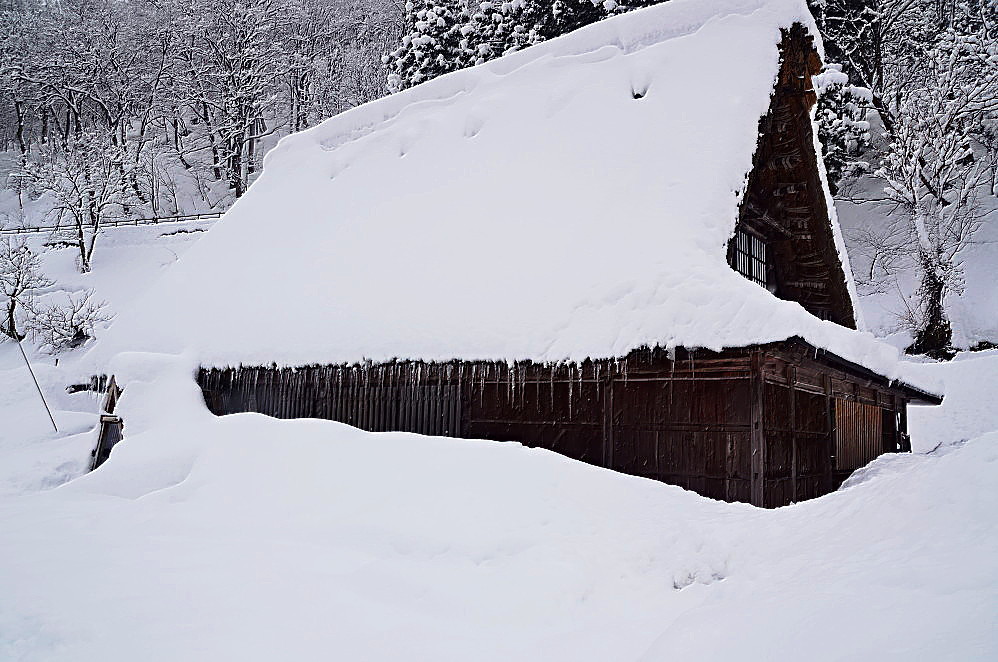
[758,435]
[607,458]
[830,413]
[784,162]
[808,284]
[792,381]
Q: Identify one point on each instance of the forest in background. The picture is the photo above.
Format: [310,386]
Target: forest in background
[113,109]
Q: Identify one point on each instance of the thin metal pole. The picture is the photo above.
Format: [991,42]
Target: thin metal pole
[35,379]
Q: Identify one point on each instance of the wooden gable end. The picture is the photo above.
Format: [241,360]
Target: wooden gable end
[785,204]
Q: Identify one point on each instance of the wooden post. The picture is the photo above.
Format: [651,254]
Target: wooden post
[459,397]
[791,381]
[904,444]
[830,412]
[608,423]
[758,436]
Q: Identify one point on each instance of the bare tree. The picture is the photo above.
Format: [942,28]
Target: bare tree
[84,183]
[233,62]
[20,278]
[935,171]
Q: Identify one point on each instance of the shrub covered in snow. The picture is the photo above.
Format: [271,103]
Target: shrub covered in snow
[68,324]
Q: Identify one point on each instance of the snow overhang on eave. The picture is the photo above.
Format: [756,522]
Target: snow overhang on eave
[913,393]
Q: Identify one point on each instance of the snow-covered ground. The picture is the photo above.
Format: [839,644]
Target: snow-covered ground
[250,538]
[970,382]
[32,454]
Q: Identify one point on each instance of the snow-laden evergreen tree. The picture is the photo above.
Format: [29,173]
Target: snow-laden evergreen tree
[497,28]
[565,16]
[843,129]
[434,44]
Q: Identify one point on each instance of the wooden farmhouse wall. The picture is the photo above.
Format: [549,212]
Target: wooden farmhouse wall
[821,422]
[757,425]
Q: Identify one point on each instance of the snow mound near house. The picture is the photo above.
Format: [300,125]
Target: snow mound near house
[573,200]
[250,538]
[970,382]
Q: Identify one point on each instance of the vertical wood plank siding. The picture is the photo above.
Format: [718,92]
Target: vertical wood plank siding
[741,425]
[336,393]
[860,435]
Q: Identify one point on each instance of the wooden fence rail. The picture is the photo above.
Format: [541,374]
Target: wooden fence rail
[128,222]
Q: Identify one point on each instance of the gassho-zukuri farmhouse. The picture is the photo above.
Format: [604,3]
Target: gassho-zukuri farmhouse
[618,245]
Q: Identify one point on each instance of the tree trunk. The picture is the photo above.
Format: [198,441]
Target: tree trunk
[216,163]
[81,244]
[935,335]
[10,329]
[19,132]
[236,147]
[90,248]
[177,144]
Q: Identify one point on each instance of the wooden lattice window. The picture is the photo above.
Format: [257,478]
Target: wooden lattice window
[748,257]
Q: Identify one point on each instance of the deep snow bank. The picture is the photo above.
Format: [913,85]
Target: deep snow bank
[970,382]
[32,455]
[249,538]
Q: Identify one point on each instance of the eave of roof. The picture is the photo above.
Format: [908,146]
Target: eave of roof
[914,393]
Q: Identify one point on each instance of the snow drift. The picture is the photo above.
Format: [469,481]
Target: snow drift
[246,537]
[250,538]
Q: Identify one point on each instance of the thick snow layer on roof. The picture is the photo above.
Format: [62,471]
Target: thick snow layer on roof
[528,208]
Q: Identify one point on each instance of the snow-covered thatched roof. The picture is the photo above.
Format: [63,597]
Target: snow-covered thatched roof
[571,200]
